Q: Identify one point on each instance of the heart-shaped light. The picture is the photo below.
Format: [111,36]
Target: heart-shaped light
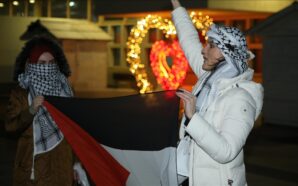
[169,78]
[137,34]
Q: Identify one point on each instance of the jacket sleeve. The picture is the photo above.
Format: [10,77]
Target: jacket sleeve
[188,39]
[224,144]
[18,117]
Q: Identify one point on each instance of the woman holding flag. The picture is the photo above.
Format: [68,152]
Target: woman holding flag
[43,155]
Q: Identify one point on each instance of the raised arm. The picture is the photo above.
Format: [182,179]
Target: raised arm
[176,4]
[188,37]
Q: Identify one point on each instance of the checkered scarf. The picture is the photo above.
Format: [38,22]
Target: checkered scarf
[232,44]
[46,80]
[207,94]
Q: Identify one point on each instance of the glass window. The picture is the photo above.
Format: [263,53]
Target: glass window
[44,8]
[116,56]
[128,30]
[58,8]
[31,4]
[153,35]
[4,7]
[18,8]
[117,34]
[78,8]
[256,38]
[255,22]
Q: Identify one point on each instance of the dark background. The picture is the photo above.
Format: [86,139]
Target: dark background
[116,6]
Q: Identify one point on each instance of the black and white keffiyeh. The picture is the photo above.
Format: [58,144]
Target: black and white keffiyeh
[232,44]
[46,80]
[223,70]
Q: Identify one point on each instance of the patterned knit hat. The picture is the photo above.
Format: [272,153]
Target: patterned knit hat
[232,44]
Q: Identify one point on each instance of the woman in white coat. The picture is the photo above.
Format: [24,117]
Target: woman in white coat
[223,105]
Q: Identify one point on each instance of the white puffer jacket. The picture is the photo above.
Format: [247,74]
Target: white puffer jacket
[220,131]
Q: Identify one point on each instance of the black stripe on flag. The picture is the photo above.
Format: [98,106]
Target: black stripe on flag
[136,122]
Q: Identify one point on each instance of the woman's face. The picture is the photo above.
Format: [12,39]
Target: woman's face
[46,58]
[212,56]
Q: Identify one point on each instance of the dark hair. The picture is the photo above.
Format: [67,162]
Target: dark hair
[58,53]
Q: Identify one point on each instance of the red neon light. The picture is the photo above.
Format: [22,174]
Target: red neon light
[169,78]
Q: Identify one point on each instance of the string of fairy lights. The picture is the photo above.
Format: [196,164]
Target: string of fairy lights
[137,34]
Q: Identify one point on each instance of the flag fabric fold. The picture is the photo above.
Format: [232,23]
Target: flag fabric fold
[129,140]
[102,168]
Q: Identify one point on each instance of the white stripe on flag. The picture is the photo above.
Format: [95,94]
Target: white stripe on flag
[148,168]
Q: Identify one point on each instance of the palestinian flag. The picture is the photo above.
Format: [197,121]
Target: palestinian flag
[128,140]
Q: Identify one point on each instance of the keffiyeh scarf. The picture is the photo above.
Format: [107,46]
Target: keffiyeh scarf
[207,92]
[46,80]
[232,44]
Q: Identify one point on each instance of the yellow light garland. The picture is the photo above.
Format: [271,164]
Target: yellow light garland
[139,31]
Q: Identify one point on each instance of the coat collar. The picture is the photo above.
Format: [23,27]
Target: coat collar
[224,83]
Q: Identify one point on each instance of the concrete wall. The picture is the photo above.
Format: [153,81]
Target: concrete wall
[250,5]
